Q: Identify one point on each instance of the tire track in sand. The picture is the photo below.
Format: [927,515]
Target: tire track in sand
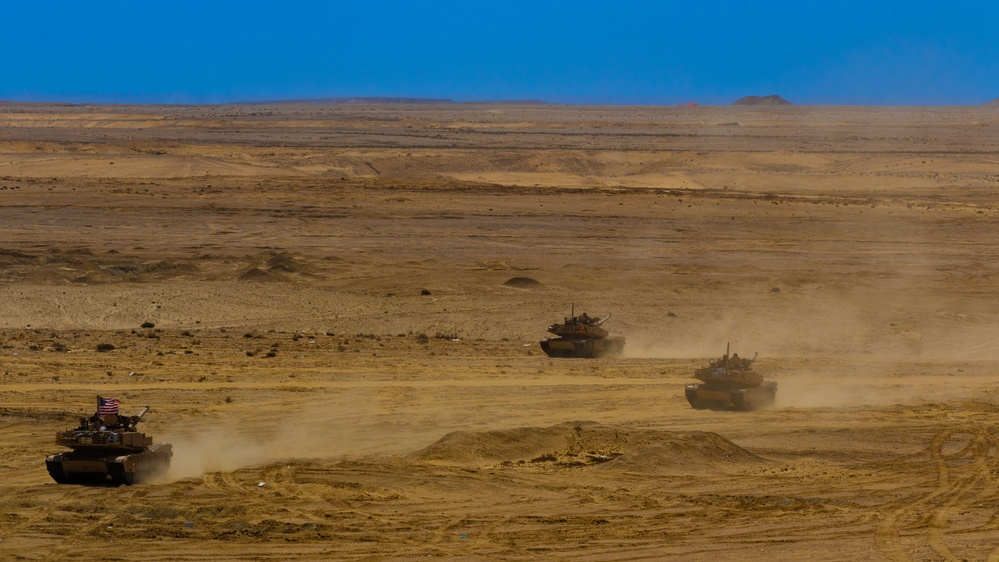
[964,482]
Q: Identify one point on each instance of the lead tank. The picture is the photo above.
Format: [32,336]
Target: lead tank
[581,336]
[730,383]
[108,449]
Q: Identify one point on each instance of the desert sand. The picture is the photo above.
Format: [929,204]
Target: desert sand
[345,373]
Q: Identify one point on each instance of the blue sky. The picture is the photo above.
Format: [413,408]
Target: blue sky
[712,52]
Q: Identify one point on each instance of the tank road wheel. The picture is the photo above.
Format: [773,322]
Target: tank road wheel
[695,402]
[118,474]
[582,348]
[740,403]
[546,347]
[57,473]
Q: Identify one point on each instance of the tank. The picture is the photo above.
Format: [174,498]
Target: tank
[581,336]
[730,383]
[106,448]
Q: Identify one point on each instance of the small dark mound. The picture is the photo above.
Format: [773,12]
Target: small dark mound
[773,99]
[283,262]
[162,269]
[259,275]
[522,283]
[120,270]
[16,254]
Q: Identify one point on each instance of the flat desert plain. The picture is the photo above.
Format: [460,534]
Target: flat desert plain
[346,301]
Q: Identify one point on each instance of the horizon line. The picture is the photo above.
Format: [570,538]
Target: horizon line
[416,100]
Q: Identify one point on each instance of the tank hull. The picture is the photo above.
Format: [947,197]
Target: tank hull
[705,397]
[583,348]
[103,467]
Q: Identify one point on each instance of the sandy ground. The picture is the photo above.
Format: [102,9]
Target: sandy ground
[283,254]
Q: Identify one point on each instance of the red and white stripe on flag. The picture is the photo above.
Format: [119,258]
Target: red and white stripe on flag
[107,406]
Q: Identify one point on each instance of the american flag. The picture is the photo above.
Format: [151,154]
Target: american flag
[107,406]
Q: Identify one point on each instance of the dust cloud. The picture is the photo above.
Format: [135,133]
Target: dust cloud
[304,431]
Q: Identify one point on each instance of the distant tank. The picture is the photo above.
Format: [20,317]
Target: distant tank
[107,449]
[581,336]
[730,383]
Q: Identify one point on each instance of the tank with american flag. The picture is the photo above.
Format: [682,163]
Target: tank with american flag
[107,448]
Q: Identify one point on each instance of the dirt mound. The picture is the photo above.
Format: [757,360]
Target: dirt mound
[495,446]
[284,262]
[578,444]
[159,270]
[523,283]
[259,275]
[772,99]
[16,255]
[277,266]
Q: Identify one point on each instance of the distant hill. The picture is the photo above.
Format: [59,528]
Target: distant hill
[764,100]
[993,103]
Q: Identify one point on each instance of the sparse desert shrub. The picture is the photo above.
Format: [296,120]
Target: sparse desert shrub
[147,325]
[422,339]
[271,353]
[102,347]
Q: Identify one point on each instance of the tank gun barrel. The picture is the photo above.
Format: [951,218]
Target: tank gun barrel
[601,320]
[144,411]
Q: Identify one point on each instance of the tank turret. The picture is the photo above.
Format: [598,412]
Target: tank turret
[730,383]
[581,336]
[106,447]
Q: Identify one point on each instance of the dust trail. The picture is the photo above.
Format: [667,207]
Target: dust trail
[215,450]
[331,429]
